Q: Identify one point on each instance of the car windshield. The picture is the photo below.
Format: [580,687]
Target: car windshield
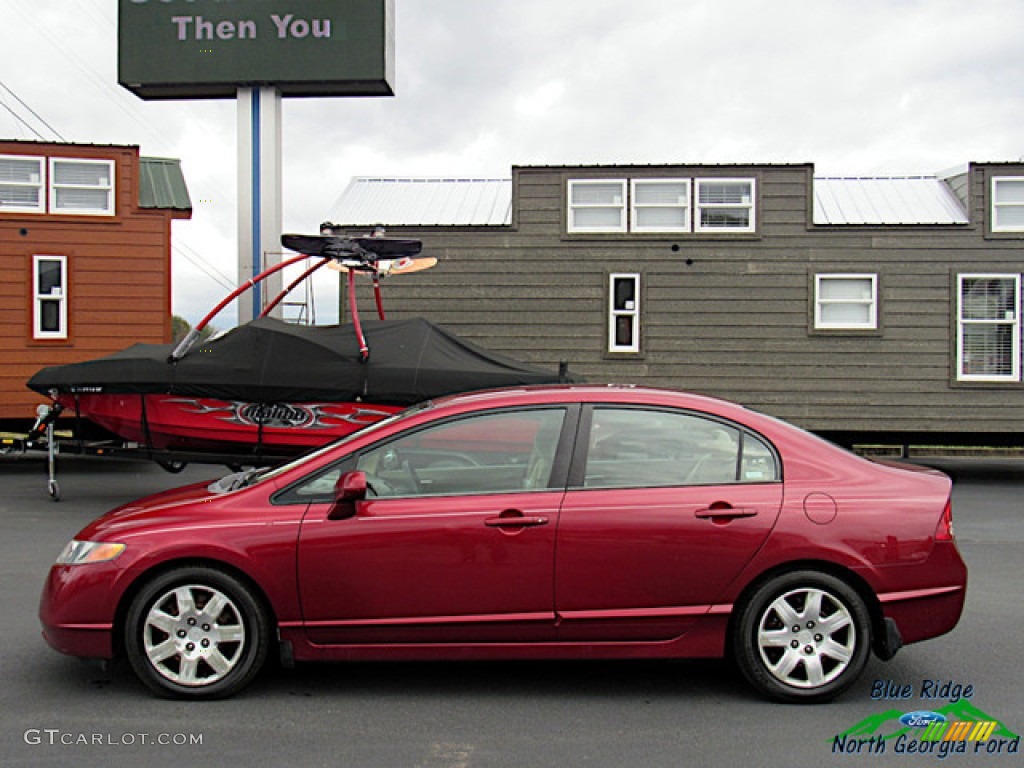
[243,479]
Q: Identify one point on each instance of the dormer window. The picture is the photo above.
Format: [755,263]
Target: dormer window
[1008,204]
[56,185]
[597,205]
[661,205]
[725,205]
[82,186]
[22,184]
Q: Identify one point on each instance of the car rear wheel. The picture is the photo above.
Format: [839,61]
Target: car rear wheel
[802,637]
[196,633]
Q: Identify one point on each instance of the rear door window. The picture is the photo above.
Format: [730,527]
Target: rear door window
[632,447]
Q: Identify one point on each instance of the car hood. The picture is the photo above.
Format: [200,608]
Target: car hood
[167,507]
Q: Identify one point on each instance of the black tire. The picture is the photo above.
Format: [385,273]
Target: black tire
[196,633]
[802,637]
[174,467]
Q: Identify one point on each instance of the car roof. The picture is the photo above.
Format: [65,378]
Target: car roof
[590,393]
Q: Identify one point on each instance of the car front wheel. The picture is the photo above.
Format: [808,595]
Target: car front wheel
[196,633]
[802,637]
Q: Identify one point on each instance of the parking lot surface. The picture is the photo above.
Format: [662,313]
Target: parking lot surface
[59,711]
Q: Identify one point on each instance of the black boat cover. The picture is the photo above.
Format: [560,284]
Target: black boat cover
[271,361]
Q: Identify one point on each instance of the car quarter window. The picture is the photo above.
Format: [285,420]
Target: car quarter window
[630,447]
[495,452]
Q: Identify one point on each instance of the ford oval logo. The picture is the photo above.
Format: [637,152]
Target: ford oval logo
[921,718]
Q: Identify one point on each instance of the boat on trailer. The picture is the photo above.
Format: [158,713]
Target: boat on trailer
[269,388]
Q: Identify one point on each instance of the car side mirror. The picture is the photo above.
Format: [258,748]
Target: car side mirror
[349,490]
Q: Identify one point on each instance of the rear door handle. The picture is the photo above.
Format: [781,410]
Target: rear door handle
[722,511]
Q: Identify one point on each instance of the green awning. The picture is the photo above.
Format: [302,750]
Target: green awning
[162,185]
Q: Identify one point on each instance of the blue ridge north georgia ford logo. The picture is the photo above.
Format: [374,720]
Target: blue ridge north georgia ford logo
[956,728]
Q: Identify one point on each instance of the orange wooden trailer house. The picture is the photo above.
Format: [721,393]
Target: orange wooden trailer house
[85,257]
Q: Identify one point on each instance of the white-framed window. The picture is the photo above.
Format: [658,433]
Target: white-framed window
[988,327]
[22,184]
[49,297]
[724,205]
[660,205]
[846,302]
[82,186]
[1008,204]
[624,312]
[597,205]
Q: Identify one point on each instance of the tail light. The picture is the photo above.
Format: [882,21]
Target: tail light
[945,530]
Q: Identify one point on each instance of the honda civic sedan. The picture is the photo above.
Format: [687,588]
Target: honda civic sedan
[571,522]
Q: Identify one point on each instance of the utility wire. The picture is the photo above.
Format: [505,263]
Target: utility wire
[35,114]
[225,277]
[89,72]
[206,268]
[18,118]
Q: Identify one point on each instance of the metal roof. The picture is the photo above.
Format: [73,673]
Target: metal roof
[443,202]
[162,184]
[886,200]
[892,200]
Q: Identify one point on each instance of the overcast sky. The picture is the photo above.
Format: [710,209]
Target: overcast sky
[857,87]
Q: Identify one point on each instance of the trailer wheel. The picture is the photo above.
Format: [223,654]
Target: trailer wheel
[174,467]
[53,488]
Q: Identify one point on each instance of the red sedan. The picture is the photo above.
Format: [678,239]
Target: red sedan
[554,523]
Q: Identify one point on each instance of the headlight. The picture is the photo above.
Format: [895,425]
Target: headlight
[82,552]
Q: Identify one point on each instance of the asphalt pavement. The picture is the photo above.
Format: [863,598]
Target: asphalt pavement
[58,711]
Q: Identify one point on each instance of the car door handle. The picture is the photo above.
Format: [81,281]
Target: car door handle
[724,511]
[514,521]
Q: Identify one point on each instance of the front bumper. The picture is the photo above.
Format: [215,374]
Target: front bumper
[76,610]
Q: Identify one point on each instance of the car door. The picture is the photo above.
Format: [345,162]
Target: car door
[455,542]
[664,509]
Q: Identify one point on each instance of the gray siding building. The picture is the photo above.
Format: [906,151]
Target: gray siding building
[881,309]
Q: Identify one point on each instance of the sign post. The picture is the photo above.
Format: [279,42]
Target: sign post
[259,195]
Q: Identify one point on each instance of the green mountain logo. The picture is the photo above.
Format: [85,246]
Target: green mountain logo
[887,725]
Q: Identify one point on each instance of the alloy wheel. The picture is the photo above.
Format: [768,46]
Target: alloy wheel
[806,637]
[193,635]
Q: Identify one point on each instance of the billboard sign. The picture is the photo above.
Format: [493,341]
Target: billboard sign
[195,49]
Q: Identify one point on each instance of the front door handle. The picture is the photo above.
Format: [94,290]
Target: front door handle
[512,518]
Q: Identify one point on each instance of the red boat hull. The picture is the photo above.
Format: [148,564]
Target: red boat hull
[169,422]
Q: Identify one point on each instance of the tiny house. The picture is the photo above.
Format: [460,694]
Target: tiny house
[883,309]
[85,256]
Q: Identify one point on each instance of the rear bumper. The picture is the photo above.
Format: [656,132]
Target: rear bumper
[926,612]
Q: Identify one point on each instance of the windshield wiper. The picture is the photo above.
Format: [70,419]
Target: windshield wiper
[236,480]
